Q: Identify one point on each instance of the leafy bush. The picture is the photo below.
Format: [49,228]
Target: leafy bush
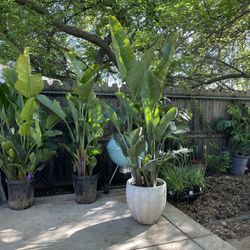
[237,127]
[183,178]
[217,162]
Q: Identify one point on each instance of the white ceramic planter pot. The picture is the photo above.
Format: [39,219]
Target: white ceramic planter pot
[146,204]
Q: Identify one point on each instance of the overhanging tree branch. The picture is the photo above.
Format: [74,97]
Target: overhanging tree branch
[200,82]
[221,78]
[225,63]
[70,29]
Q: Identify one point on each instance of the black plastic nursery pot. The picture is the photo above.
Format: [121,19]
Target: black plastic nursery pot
[20,193]
[239,164]
[85,188]
[185,195]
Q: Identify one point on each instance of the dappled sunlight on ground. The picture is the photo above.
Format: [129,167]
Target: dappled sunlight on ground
[58,223]
[10,235]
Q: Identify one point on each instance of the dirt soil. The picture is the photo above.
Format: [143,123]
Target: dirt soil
[224,207]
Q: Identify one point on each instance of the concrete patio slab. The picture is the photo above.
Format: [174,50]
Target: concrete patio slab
[179,245]
[188,226]
[213,242]
[57,222]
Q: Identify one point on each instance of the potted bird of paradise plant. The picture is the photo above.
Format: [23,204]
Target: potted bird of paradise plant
[84,119]
[143,143]
[24,134]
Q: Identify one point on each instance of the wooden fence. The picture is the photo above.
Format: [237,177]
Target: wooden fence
[205,105]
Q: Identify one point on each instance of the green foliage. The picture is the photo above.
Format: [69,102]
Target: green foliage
[216,161]
[213,34]
[123,50]
[183,178]
[148,126]
[24,145]
[176,178]
[237,127]
[180,174]
[27,84]
[83,118]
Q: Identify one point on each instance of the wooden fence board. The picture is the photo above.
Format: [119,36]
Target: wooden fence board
[206,106]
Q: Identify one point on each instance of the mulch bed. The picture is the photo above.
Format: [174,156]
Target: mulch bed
[224,207]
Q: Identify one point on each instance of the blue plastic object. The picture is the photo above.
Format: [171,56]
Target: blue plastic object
[116,155]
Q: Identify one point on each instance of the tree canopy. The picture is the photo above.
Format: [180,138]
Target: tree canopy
[212,48]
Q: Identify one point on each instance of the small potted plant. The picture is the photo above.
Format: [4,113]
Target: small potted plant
[23,133]
[185,180]
[84,120]
[143,143]
[238,128]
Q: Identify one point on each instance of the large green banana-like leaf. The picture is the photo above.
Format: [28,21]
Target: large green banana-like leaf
[27,84]
[85,89]
[74,108]
[24,129]
[45,154]
[72,101]
[112,116]
[134,79]
[132,137]
[122,48]
[95,120]
[54,106]
[75,65]
[147,57]
[151,89]
[90,74]
[7,145]
[28,110]
[36,134]
[10,76]
[52,133]
[156,115]
[2,139]
[165,122]
[162,69]
[129,105]
[52,120]
[136,150]
[3,117]
[136,144]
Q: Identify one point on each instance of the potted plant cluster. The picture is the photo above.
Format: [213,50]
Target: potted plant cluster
[84,120]
[25,130]
[143,140]
[185,180]
[238,128]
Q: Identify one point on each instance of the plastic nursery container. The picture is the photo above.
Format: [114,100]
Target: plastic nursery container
[20,193]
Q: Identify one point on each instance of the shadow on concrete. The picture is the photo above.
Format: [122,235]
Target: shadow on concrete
[105,235]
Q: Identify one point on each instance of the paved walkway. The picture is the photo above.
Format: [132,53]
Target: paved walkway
[58,223]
